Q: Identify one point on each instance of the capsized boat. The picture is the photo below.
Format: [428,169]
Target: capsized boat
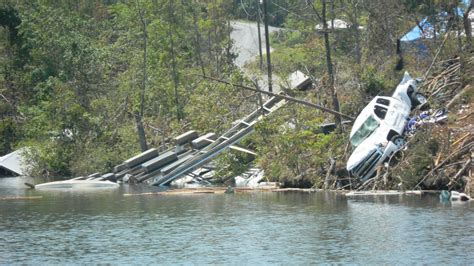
[75,184]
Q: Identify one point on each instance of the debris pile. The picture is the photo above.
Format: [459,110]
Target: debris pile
[438,153]
[152,164]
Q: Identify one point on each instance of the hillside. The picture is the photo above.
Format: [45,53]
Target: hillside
[86,85]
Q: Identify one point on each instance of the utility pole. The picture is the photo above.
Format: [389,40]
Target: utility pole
[259,35]
[139,115]
[329,64]
[267,44]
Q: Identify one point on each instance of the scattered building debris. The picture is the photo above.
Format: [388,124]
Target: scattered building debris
[425,29]
[374,193]
[13,164]
[21,198]
[426,117]
[299,81]
[211,190]
[338,25]
[250,178]
[187,160]
[446,196]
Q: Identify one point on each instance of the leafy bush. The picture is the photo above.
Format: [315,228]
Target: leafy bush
[292,148]
[372,81]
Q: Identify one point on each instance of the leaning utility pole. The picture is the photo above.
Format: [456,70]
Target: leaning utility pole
[259,35]
[267,44]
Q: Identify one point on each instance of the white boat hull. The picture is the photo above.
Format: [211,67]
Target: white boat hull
[77,184]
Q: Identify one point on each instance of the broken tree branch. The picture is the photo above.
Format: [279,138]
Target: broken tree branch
[461,139]
[458,152]
[328,174]
[454,180]
[282,96]
[457,96]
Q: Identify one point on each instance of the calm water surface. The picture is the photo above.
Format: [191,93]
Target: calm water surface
[255,228]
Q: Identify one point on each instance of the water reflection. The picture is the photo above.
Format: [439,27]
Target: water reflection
[282,228]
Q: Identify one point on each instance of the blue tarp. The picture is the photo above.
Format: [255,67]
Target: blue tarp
[416,32]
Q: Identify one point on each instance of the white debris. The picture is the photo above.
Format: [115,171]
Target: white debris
[14,162]
[251,178]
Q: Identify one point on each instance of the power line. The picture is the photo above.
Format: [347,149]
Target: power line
[291,12]
[245,10]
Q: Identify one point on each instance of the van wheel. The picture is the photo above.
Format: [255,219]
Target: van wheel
[418,100]
[399,141]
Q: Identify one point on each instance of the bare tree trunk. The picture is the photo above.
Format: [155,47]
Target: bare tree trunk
[198,42]
[174,71]
[329,64]
[467,26]
[141,132]
[332,19]
[328,174]
[139,115]
[355,29]
[229,43]
[214,24]
[459,28]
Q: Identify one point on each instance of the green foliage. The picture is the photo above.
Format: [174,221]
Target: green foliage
[248,9]
[232,163]
[372,81]
[72,75]
[79,87]
[292,148]
[8,135]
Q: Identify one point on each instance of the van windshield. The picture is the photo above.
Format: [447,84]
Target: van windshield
[364,131]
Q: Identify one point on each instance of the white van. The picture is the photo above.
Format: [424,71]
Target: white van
[377,132]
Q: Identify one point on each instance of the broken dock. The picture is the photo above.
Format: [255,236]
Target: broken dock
[190,152]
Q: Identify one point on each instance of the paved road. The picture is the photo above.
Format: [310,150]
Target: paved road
[245,37]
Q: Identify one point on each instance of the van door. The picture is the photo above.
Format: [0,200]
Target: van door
[397,115]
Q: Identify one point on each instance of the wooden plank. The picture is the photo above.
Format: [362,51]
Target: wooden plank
[374,193]
[21,198]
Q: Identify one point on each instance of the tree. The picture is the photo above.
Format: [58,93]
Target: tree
[468,25]
[329,64]
[352,10]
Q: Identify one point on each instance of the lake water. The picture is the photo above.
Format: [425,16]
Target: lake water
[252,228]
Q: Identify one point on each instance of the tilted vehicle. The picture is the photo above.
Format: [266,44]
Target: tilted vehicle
[377,132]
